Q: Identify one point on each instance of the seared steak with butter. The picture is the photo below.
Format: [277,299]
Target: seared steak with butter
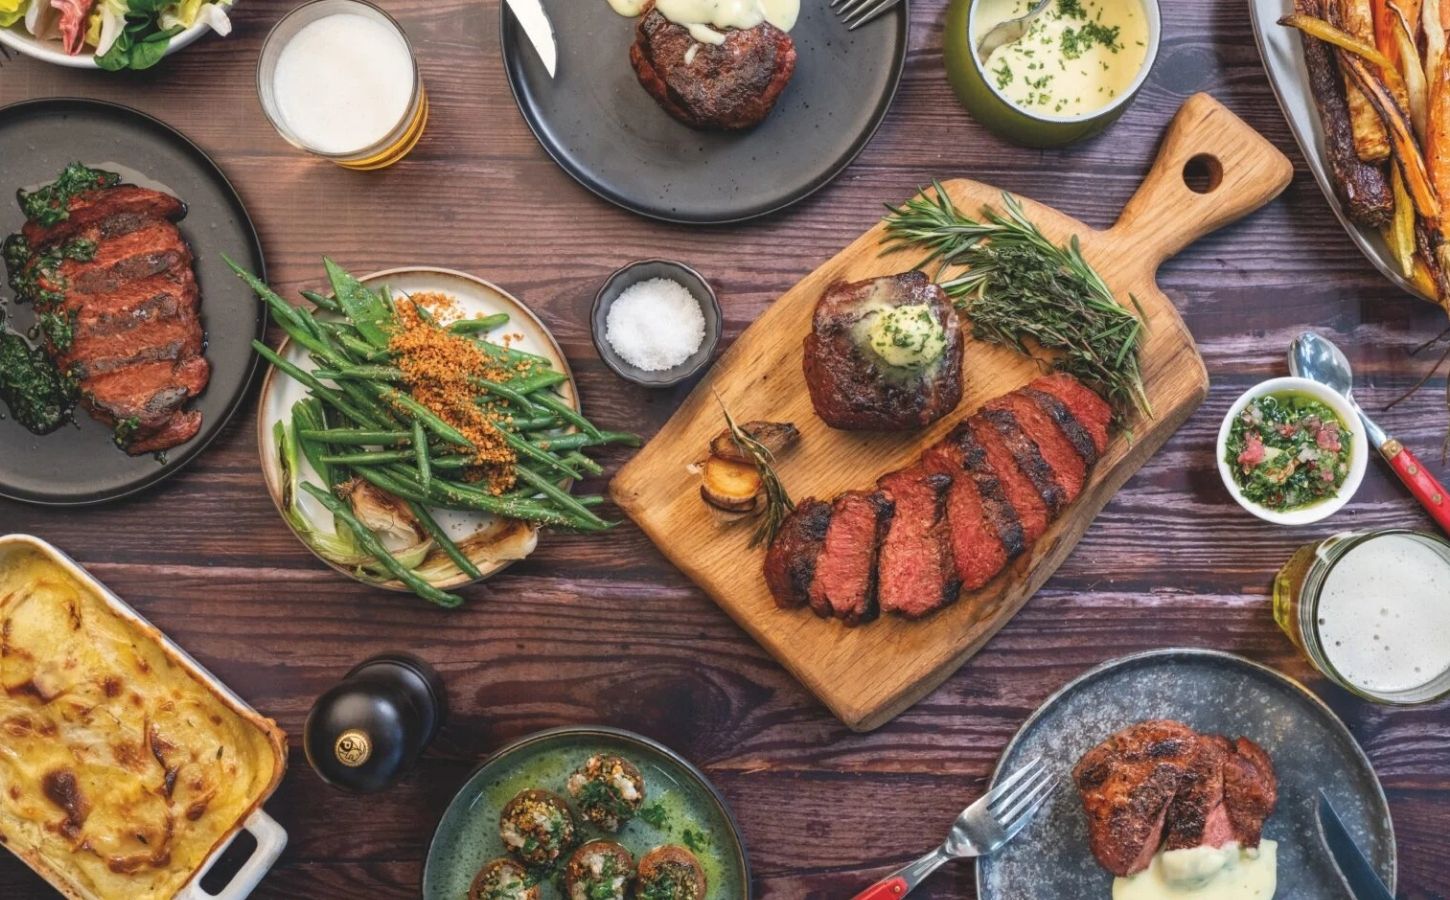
[112,284]
[726,87]
[1160,783]
[851,364]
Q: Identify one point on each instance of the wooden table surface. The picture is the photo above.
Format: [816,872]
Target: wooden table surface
[602,629]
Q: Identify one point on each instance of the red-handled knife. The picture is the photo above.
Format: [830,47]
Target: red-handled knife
[1318,359]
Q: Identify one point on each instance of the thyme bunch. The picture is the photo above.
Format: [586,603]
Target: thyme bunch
[1021,290]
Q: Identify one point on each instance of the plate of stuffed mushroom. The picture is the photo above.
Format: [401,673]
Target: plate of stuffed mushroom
[587,814]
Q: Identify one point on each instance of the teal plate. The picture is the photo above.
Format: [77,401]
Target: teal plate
[467,835]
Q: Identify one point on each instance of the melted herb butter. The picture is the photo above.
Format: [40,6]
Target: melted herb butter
[51,204]
[36,393]
[908,337]
[1076,58]
[1205,873]
[708,19]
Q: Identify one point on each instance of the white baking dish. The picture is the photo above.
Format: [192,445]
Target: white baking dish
[270,836]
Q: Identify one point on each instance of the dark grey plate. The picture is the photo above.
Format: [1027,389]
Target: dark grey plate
[596,121]
[81,465]
[1212,692]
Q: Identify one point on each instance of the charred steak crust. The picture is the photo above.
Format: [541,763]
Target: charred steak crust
[135,341]
[976,549]
[1061,416]
[850,387]
[790,563]
[1087,407]
[726,87]
[1000,513]
[1160,782]
[918,575]
[1029,459]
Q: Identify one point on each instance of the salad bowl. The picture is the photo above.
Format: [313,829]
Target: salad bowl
[31,34]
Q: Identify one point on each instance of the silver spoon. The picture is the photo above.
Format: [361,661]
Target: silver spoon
[1008,32]
[1318,359]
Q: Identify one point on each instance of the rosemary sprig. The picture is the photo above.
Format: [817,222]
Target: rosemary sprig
[777,501]
[1020,287]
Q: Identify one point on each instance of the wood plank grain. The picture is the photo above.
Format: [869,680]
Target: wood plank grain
[604,628]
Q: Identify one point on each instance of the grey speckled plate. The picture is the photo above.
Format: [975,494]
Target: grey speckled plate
[602,128]
[1212,692]
[80,465]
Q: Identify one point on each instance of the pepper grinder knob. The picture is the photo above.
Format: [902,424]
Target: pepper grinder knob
[368,729]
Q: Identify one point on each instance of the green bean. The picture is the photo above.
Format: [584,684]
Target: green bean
[305,416]
[385,480]
[355,436]
[536,423]
[508,354]
[322,301]
[357,345]
[453,495]
[583,463]
[371,544]
[423,413]
[548,400]
[527,384]
[543,457]
[580,440]
[420,452]
[474,326]
[435,531]
[555,493]
[319,390]
[362,373]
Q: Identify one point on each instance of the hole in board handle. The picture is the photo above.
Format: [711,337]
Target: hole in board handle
[241,848]
[1203,173]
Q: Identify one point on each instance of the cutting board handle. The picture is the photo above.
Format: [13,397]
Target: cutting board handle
[1211,170]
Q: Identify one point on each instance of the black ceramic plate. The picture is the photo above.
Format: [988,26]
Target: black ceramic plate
[81,465]
[596,121]
[1212,692]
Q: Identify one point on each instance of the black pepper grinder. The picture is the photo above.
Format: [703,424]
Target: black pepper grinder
[371,727]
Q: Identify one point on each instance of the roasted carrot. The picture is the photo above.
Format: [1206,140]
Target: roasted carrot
[1357,18]
[1384,29]
[1437,139]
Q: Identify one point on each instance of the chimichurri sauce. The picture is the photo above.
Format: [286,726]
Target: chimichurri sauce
[1287,451]
[51,204]
[38,396]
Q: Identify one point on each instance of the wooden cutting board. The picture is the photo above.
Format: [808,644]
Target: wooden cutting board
[867,675]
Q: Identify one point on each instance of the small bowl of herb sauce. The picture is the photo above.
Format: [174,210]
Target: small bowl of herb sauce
[1079,65]
[1291,451]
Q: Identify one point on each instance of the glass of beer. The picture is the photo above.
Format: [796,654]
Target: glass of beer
[338,78]
[1371,611]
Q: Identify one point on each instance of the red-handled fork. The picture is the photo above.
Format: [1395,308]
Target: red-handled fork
[981,829]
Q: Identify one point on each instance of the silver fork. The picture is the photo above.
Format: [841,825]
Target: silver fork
[980,830]
[856,13]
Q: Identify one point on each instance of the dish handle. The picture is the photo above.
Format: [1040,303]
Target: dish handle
[1212,169]
[271,840]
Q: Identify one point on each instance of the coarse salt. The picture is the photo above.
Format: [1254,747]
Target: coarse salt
[655,325]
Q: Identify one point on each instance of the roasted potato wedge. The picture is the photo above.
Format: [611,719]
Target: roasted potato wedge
[731,485]
[777,437]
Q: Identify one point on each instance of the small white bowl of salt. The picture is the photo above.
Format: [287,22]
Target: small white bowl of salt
[656,322]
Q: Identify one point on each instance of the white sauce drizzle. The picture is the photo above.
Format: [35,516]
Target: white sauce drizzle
[708,19]
[1205,873]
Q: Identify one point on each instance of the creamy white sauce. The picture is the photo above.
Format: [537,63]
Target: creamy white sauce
[1384,614]
[1205,873]
[707,19]
[343,82]
[1076,58]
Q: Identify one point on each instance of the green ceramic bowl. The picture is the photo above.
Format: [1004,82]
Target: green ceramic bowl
[467,836]
[1011,122]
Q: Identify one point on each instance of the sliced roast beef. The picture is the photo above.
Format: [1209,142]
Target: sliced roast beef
[846,570]
[976,549]
[1031,511]
[790,563]
[93,208]
[1029,459]
[918,576]
[1069,470]
[1087,407]
[1073,430]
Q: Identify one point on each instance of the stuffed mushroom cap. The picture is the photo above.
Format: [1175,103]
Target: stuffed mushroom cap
[537,827]
[670,873]
[608,789]
[502,879]
[599,870]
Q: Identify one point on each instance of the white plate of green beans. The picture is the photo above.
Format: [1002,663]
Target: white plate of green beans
[335,410]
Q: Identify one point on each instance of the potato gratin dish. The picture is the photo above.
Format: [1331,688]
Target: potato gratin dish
[121,769]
